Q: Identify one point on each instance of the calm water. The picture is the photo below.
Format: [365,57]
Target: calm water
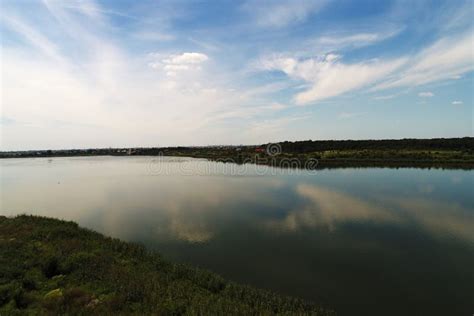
[363,241]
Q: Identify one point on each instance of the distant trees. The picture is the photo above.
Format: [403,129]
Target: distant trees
[463,144]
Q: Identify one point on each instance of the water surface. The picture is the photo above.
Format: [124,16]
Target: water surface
[368,241]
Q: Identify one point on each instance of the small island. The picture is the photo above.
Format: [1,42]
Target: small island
[50,266]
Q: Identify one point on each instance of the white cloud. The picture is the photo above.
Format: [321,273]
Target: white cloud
[350,39]
[101,95]
[426,94]
[175,63]
[280,13]
[88,86]
[32,36]
[338,41]
[186,58]
[457,102]
[129,105]
[446,59]
[329,76]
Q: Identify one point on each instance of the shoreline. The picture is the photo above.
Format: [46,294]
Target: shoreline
[54,266]
[290,162]
[444,153]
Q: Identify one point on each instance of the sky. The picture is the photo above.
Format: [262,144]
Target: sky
[116,73]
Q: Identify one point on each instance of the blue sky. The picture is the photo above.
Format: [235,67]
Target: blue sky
[79,74]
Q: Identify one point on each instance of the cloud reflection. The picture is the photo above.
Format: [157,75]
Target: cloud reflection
[327,208]
[437,217]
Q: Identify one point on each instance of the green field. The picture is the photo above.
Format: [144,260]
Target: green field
[51,267]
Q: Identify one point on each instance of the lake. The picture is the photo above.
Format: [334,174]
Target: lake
[369,241]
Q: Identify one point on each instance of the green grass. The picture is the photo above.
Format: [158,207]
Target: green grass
[51,267]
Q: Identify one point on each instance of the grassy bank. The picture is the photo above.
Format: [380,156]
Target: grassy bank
[48,266]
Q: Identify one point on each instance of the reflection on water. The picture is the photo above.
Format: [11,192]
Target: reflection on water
[329,208]
[364,241]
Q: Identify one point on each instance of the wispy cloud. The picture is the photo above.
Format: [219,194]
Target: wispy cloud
[457,103]
[426,94]
[328,75]
[280,13]
[172,72]
[31,35]
[447,58]
[339,41]
[176,63]
[102,84]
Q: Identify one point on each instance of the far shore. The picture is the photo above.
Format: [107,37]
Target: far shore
[446,153]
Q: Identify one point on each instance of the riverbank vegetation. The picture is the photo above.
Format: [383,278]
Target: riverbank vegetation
[439,152]
[457,153]
[49,266]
